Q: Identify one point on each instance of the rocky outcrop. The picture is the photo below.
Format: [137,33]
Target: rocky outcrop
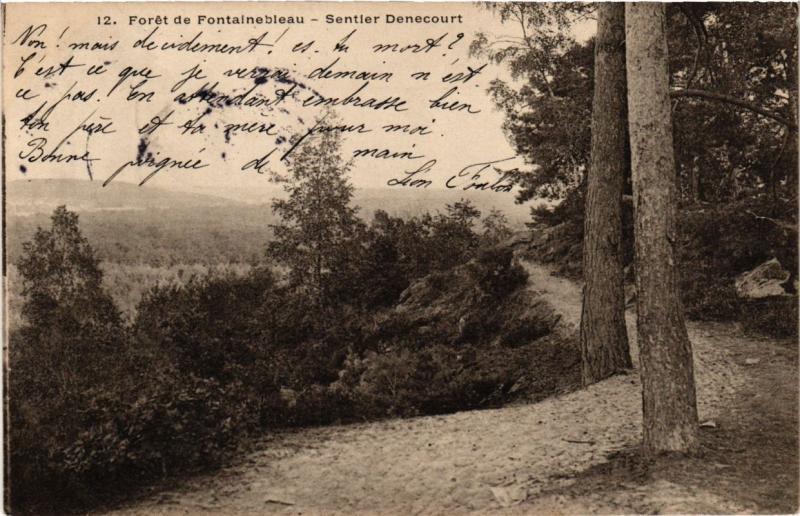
[452,307]
[766,280]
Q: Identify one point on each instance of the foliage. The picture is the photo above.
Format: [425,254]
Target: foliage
[441,379]
[211,356]
[720,243]
[60,274]
[546,117]
[717,243]
[94,410]
[773,316]
[497,273]
[207,325]
[318,232]
[173,423]
[747,52]
[735,145]
[398,250]
[723,151]
[68,349]
[495,227]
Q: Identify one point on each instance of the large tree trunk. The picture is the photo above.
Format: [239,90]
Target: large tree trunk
[667,372]
[604,339]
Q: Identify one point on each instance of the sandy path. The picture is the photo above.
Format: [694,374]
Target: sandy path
[464,462]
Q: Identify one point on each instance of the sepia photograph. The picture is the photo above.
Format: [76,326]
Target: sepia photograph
[395,258]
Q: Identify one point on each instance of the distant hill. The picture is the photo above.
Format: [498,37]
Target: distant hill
[131,225]
[404,202]
[29,197]
[42,195]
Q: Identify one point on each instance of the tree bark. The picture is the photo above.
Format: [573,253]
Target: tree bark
[667,371]
[603,336]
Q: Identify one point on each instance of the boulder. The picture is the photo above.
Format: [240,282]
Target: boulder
[763,281]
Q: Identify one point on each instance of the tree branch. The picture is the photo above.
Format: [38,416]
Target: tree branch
[719,97]
[781,224]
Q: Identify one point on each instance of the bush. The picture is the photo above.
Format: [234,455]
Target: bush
[772,316]
[489,335]
[99,439]
[497,273]
[389,383]
[171,426]
[720,243]
[708,297]
[442,379]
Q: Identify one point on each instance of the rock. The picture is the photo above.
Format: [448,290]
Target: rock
[510,495]
[763,281]
[518,385]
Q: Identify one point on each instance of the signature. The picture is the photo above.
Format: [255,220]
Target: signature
[468,178]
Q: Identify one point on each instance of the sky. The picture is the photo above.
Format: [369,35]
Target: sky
[457,140]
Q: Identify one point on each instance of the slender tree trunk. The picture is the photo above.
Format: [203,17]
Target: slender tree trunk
[604,339]
[695,182]
[668,392]
[792,136]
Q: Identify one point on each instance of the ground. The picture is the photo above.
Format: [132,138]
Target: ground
[576,453]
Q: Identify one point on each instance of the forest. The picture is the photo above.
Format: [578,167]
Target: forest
[131,367]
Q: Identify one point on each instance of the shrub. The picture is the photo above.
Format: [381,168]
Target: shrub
[171,426]
[102,437]
[497,273]
[390,382]
[720,243]
[442,379]
[772,316]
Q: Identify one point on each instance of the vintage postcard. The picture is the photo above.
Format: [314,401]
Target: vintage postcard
[400,258]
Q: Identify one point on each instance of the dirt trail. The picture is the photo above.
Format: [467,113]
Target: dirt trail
[480,461]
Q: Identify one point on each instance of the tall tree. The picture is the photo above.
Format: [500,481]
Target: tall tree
[732,66]
[72,328]
[603,336]
[668,392]
[61,277]
[547,114]
[69,348]
[317,233]
[495,227]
